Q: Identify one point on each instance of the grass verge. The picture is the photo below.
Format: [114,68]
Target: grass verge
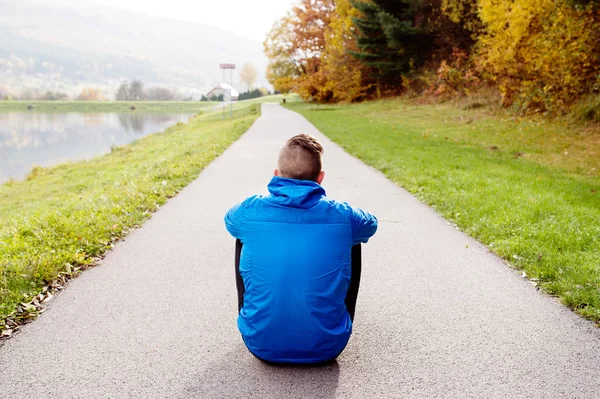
[143,106]
[66,217]
[529,190]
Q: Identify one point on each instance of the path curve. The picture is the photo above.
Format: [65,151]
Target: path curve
[437,315]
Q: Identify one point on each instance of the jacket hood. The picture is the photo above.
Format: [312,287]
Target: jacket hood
[294,193]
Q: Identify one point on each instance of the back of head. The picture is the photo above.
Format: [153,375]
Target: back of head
[301,158]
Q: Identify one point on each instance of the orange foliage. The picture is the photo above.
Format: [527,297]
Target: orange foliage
[90,94]
[295,47]
[344,75]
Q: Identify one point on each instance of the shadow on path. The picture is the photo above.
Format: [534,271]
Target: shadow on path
[240,375]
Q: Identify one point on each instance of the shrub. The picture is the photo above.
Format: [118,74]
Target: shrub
[544,55]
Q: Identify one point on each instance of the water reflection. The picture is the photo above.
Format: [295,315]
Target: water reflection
[132,122]
[28,139]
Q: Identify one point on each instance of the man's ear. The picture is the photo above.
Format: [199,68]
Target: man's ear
[321,177]
[275,172]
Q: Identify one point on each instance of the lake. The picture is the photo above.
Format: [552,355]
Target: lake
[29,139]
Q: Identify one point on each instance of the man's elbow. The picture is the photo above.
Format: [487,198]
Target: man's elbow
[231,227]
[370,231]
[367,230]
[373,227]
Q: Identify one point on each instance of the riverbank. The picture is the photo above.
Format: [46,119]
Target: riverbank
[141,106]
[106,106]
[62,219]
[529,190]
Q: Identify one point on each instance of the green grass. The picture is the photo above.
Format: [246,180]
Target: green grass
[238,110]
[529,190]
[106,106]
[289,98]
[244,106]
[143,106]
[71,214]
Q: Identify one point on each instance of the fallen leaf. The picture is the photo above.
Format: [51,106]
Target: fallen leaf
[28,306]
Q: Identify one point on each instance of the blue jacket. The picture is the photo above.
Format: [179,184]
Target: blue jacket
[295,265]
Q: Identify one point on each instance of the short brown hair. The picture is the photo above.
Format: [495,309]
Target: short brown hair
[301,158]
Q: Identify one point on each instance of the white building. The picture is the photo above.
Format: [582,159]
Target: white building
[225,89]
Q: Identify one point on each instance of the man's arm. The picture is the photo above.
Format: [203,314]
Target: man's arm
[233,220]
[364,225]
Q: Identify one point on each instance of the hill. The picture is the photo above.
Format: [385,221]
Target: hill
[53,47]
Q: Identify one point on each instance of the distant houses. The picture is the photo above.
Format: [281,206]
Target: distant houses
[225,90]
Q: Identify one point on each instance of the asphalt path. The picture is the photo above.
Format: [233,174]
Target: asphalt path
[438,316]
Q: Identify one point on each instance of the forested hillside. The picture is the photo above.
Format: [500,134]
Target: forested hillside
[52,47]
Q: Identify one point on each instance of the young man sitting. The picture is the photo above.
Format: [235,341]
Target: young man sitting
[295,264]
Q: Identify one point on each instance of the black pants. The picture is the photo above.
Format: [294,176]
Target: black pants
[351,295]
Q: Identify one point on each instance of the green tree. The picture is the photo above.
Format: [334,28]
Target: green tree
[136,90]
[389,43]
[54,96]
[123,92]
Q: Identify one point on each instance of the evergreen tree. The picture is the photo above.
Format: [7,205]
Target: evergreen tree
[389,42]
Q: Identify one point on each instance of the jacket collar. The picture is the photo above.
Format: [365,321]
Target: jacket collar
[294,193]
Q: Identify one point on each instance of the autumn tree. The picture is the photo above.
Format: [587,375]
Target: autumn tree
[248,75]
[295,46]
[283,69]
[90,94]
[542,54]
[346,77]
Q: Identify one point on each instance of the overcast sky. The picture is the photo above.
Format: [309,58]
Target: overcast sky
[249,18]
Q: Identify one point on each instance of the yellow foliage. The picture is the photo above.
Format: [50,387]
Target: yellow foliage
[543,54]
[91,94]
[283,68]
[344,73]
[295,46]
[308,52]
[462,12]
